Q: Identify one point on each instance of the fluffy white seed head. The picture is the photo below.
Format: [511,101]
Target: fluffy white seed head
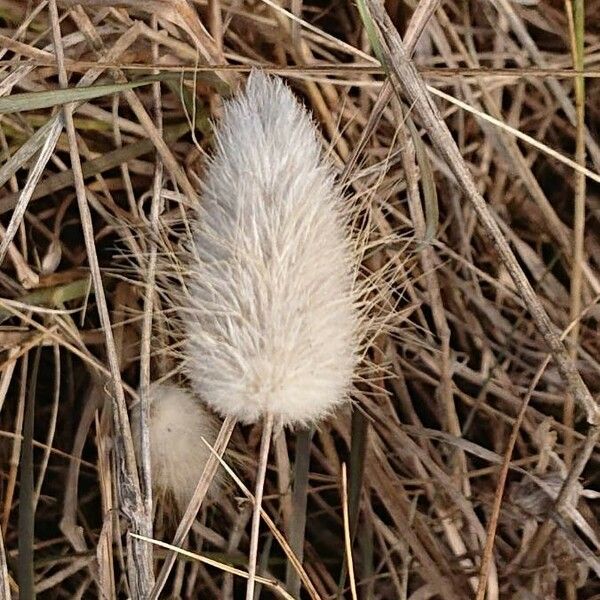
[272,322]
[177,424]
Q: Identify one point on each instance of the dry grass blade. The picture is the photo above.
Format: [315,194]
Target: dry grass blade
[37,141]
[430,198]
[358,451]
[576,18]
[274,585]
[53,297]
[261,471]
[141,578]
[347,535]
[149,299]
[37,100]
[51,426]
[35,174]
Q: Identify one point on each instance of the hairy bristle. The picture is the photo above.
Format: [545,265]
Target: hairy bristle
[178,422]
[272,322]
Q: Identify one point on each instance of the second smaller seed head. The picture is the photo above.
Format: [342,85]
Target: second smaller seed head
[177,423]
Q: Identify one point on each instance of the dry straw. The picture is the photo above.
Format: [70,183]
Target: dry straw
[272,324]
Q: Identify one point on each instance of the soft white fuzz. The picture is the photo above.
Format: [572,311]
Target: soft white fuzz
[272,326]
[177,424]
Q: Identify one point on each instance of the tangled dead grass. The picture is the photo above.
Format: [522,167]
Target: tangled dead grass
[463,430]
